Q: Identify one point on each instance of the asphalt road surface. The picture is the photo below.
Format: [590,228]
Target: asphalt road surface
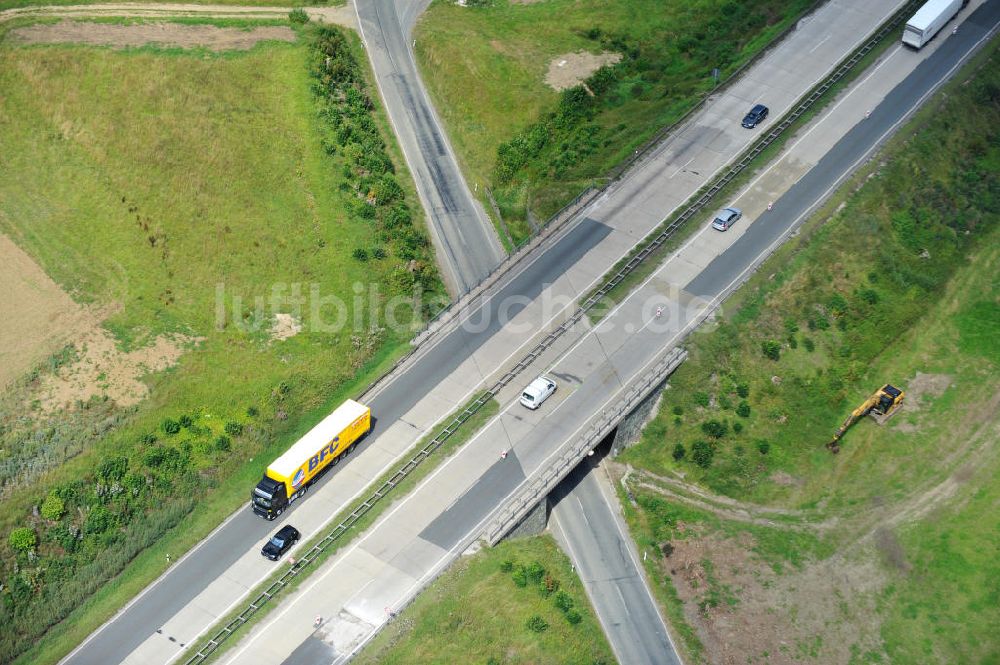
[586,525]
[466,242]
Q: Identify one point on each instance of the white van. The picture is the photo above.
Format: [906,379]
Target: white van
[537,392]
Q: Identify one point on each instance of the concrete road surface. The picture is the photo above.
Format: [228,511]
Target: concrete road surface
[467,245]
[587,523]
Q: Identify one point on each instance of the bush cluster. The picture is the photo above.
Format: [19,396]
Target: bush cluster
[371,192]
[86,530]
[548,585]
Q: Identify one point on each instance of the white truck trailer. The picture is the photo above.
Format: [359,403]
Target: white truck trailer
[929,20]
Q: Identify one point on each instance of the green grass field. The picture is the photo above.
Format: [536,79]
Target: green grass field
[890,282]
[485,68]
[148,180]
[477,613]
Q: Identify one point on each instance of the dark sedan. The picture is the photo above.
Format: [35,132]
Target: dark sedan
[280,542]
[755,117]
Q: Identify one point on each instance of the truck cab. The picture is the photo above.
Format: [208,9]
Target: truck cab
[269,498]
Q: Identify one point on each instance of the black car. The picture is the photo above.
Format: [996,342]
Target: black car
[287,536]
[755,117]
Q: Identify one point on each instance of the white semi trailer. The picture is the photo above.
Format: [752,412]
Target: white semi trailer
[929,20]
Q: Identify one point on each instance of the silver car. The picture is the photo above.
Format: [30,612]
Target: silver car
[726,218]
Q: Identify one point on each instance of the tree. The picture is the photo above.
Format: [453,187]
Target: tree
[679,452]
[743,410]
[702,453]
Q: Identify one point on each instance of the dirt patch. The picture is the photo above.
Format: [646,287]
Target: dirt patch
[745,612]
[102,369]
[285,326]
[39,318]
[924,385]
[164,34]
[571,69]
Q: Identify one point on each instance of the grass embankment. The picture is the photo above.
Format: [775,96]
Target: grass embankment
[536,147]
[895,281]
[142,181]
[517,602]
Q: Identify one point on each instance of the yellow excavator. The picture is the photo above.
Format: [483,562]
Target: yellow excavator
[880,406]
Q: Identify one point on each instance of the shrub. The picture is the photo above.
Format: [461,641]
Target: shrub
[53,508]
[702,453]
[771,349]
[743,390]
[563,601]
[535,572]
[537,624]
[147,439]
[715,429]
[223,443]
[678,410]
[360,253]
[99,520]
[737,427]
[701,399]
[520,576]
[743,410]
[379,253]
[573,617]
[507,566]
[112,469]
[679,452]
[234,428]
[809,344]
[170,426]
[763,447]
[298,16]
[549,585]
[252,412]
[185,421]
[870,296]
[22,539]
[793,342]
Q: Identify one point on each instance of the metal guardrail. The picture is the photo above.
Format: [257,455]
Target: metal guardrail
[546,481]
[202,654]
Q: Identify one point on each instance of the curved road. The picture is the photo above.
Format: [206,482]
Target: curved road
[467,244]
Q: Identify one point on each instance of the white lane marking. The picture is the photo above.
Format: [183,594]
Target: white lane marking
[820,43]
[682,167]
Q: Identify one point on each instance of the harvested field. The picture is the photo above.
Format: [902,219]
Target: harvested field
[141,34]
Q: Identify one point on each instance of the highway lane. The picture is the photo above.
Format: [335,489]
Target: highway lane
[409,546]
[588,527]
[409,404]
[467,245]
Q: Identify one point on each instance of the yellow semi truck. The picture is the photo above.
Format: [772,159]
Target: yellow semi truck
[289,476]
